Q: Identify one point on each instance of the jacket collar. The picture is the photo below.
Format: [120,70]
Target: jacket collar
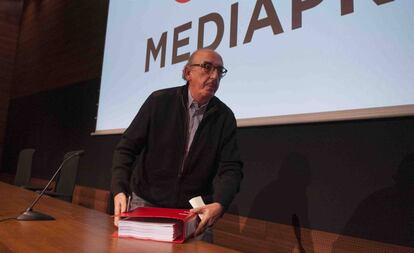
[212,104]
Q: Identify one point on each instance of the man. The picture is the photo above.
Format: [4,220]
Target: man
[185,139]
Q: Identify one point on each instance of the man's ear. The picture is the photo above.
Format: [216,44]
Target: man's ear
[187,73]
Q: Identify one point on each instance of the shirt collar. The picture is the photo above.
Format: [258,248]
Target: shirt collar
[192,101]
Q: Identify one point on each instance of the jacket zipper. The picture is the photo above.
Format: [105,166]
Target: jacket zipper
[184,157]
[197,133]
[180,172]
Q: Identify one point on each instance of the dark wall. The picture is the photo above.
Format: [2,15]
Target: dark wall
[341,177]
[45,45]
[55,122]
[60,43]
[10,12]
[327,176]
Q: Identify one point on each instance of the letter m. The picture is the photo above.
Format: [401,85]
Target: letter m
[151,49]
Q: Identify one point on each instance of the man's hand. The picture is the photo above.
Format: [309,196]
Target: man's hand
[120,202]
[209,215]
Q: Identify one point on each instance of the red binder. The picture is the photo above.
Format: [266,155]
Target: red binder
[187,222]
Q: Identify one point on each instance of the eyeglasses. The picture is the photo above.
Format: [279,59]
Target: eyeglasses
[209,68]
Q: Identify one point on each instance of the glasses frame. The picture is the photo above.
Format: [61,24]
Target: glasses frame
[209,68]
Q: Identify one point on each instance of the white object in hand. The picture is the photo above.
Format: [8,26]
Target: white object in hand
[197,202]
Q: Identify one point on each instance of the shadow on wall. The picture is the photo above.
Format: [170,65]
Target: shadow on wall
[387,215]
[283,200]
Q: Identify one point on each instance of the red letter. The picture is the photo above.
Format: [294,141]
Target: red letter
[298,6]
[347,6]
[218,20]
[155,51]
[179,43]
[233,24]
[379,2]
[271,20]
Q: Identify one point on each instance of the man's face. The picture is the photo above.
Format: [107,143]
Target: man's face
[202,84]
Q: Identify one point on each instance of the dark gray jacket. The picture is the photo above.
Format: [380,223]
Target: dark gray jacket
[157,137]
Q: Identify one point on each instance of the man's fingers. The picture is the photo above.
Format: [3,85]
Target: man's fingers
[201,227]
[123,206]
[116,212]
[119,206]
[211,222]
[203,223]
[196,210]
[209,213]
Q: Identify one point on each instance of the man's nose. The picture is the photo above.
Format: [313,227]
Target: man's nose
[215,74]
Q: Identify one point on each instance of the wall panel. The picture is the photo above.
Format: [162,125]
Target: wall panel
[10,12]
[61,43]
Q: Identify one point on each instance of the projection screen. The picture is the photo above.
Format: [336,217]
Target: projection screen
[288,61]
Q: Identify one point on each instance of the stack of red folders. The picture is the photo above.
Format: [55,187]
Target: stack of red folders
[159,224]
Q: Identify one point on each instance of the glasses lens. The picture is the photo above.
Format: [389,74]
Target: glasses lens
[222,70]
[209,68]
